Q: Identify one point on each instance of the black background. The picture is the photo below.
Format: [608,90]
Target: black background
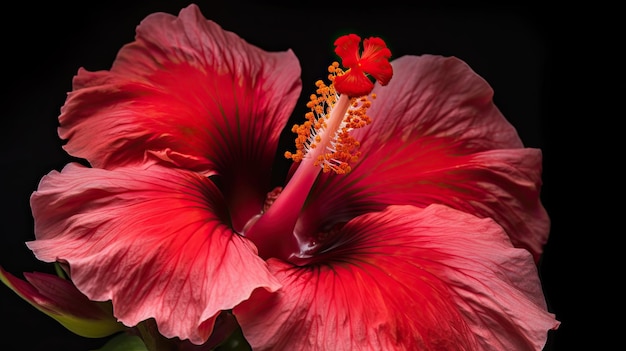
[516,48]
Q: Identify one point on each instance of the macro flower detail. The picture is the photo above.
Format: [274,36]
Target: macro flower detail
[436,222]
[409,220]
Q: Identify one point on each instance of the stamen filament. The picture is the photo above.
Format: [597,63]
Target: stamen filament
[323,143]
[273,231]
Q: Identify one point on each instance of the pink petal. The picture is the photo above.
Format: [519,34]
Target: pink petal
[155,241]
[437,137]
[192,95]
[405,279]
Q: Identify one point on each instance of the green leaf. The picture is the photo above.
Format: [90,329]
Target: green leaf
[124,342]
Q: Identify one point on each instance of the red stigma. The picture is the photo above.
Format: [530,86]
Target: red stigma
[373,62]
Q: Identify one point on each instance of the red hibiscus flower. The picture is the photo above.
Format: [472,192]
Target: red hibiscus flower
[411,219]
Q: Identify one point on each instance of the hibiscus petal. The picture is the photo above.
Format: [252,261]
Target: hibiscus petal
[192,95]
[152,240]
[437,137]
[405,279]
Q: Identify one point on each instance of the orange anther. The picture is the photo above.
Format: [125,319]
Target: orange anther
[337,149]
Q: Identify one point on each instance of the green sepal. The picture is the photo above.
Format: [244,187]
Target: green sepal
[61,300]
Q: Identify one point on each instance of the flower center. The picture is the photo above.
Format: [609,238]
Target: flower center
[323,143]
[325,136]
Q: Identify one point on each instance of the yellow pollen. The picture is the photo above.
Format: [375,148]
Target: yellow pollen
[339,147]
